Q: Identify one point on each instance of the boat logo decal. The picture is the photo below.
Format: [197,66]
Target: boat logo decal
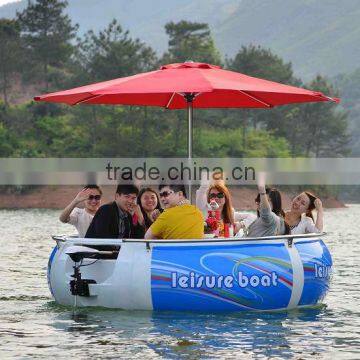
[195,281]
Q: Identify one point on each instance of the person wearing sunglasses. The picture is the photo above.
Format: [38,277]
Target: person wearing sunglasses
[81,218]
[180,219]
[219,193]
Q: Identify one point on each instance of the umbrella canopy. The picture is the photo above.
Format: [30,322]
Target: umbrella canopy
[188,85]
[175,86]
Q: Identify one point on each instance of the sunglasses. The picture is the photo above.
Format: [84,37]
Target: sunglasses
[218,195]
[166,193]
[94,197]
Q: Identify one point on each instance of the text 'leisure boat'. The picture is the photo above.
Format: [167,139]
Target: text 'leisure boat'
[236,274]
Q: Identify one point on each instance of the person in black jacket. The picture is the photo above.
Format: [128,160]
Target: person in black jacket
[116,220]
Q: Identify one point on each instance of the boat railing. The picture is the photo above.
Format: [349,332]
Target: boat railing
[288,238]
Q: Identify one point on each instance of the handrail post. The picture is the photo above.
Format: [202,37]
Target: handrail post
[290,241]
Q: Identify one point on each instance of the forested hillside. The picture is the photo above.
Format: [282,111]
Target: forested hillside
[349,87]
[316,36]
[42,49]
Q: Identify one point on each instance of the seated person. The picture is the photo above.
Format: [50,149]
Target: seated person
[213,188]
[115,220]
[300,217]
[220,193]
[149,203]
[81,218]
[180,219]
[270,219]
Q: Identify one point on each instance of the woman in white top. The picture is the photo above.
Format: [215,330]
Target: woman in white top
[300,217]
[82,217]
[220,193]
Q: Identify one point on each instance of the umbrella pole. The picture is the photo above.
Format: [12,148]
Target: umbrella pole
[189,99]
[190,130]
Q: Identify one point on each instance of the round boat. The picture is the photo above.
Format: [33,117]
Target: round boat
[236,274]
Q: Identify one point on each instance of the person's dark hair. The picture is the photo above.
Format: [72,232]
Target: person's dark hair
[311,206]
[275,198]
[175,188]
[93,187]
[148,221]
[127,189]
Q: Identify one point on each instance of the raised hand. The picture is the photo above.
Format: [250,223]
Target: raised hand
[155,214]
[261,181]
[318,205]
[136,210]
[131,207]
[82,196]
[205,178]
[239,225]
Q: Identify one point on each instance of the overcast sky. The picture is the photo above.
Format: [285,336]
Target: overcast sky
[3,2]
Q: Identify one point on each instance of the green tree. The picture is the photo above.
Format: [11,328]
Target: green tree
[323,127]
[222,143]
[6,148]
[111,54]
[47,34]
[190,41]
[260,62]
[349,90]
[10,54]
[310,129]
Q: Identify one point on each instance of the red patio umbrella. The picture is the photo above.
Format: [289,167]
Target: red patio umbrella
[188,85]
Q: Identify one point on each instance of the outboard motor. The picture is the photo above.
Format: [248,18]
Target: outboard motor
[80,286]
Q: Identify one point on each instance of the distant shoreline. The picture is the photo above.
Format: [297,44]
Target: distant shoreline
[57,197]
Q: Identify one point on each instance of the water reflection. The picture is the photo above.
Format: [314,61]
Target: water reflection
[192,335]
[265,334]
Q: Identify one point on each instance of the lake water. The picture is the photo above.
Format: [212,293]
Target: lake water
[32,325]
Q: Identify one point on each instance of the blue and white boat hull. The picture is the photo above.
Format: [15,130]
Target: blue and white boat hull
[209,275]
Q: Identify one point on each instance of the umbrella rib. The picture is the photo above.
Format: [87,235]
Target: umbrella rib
[254,98]
[171,99]
[335,100]
[92,97]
